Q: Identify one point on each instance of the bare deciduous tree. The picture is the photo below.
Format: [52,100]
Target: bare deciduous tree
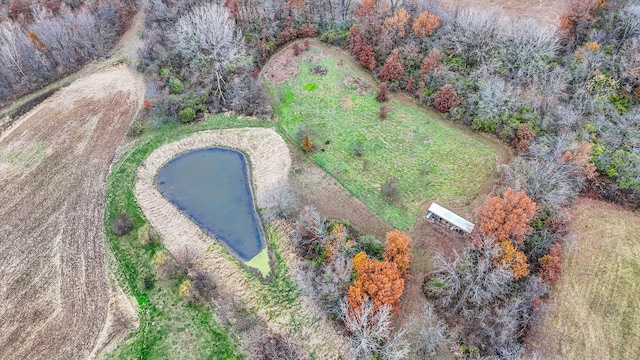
[430,333]
[473,34]
[370,328]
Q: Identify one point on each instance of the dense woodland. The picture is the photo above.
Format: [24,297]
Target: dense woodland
[566,99]
[573,89]
[41,41]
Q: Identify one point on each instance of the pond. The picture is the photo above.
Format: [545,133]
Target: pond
[212,187]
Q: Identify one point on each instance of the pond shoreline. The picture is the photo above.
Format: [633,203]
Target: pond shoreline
[268,163]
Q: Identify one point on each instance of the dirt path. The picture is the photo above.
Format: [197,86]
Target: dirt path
[54,164]
[270,163]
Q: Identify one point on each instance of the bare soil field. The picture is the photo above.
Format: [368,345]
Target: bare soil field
[594,310]
[546,11]
[53,168]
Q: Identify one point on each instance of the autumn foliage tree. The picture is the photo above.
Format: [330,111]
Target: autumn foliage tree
[514,260]
[524,137]
[397,22]
[580,156]
[551,264]
[377,280]
[393,68]
[307,143]
[425,24]
[446,99]
[365,9]
[332,243]
[507,216]
[506,220]
[398,250]
[36,40]
[431,62]
[355,39]
[383,92]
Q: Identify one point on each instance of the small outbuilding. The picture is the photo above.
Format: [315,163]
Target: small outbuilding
[455,222]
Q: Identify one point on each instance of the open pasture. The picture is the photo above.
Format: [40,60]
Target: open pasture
[409,152]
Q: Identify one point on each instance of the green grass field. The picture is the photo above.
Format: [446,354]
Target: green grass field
[431,160]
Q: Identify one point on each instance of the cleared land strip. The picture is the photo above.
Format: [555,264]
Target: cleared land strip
[595,307]
[53,168]
[270,162]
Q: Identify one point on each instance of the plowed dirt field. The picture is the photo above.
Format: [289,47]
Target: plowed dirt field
[53,168]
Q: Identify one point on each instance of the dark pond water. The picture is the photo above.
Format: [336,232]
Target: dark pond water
[211,186]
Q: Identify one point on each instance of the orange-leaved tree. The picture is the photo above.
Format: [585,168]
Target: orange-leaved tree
[377,280]
[506,219]
[425,24]
[398,22]
[507,216]
[307,143]
[398,250]
[580,155]
[514,260]
[334,241]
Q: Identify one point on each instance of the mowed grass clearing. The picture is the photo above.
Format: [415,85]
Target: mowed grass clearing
[429,159]
[596,312]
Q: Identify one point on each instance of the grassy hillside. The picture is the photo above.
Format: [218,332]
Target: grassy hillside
[596,313]
[429,159]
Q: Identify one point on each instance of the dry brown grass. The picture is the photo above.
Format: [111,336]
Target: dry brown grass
[545,11]
[595,310]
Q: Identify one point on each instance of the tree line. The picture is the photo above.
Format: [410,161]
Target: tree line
[43,41]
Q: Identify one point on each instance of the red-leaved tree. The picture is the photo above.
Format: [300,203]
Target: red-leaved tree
[446,99]
[355,39]
[551,264]
[409,86]
[524,137]
[366,57]
[393,68]
[383,91]
[431,62]
[365,9]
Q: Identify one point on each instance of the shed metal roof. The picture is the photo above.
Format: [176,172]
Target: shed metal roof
[452,218]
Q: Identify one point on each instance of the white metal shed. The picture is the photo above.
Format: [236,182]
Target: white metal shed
[457,222]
